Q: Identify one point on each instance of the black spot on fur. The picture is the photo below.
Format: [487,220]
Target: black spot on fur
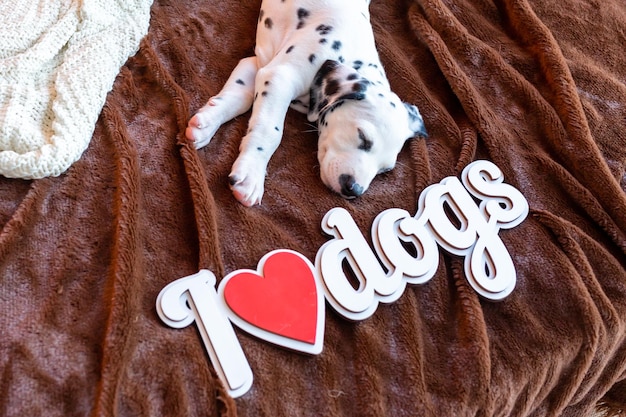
[415,117]
[332,86]
[411,111]
[276,128]
[392,104]
[267,83]
[341,59]
[260,149]
[264,93]
[312,58]
[357,65]
[353,96]
[323,41]
[336,45]
[302,15]
[352,77]
[327,67]
[289,49]
[359,86]
[240,82]
[269,23]
[324,29]
[365,144]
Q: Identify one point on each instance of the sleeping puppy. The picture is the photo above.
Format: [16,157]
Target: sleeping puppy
[320,58]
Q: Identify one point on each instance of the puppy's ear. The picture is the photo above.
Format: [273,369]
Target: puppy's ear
[416,123]
[323,89]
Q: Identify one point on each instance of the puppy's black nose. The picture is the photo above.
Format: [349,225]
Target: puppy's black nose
[349,187]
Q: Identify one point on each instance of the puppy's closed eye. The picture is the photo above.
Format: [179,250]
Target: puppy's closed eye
[365,144]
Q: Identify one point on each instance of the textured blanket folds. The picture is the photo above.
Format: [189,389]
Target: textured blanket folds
[535,86]
[58,60]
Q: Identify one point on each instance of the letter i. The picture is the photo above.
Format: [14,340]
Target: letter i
[194,298]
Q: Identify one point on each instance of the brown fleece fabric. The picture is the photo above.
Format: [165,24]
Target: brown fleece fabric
[535,86]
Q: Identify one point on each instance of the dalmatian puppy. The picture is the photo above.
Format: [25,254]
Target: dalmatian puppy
[320,58]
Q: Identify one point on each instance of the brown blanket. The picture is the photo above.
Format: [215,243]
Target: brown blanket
[536,86]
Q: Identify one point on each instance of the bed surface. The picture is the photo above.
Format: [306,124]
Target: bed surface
[536,87]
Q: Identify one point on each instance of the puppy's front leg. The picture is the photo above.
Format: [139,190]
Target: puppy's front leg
[234,99]
[275,87]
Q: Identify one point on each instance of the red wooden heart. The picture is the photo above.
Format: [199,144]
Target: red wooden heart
[281,299]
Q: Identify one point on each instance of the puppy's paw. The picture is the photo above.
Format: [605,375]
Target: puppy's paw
[203,125]
[247,182]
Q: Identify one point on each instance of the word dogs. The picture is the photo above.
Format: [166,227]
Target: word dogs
[282,302]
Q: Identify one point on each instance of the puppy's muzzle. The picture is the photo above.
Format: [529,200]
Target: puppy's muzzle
[349,187]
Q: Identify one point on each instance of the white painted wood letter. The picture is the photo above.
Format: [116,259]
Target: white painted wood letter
[194,298]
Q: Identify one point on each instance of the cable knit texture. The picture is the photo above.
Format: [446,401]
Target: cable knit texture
[58,61]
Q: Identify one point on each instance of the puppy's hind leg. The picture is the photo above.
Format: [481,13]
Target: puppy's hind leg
[234,99]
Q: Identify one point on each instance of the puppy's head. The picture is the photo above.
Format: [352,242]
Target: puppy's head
[362,127]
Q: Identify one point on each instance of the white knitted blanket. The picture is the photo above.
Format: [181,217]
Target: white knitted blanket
[58,61]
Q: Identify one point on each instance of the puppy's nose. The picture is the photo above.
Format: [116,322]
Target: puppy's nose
[349,187]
